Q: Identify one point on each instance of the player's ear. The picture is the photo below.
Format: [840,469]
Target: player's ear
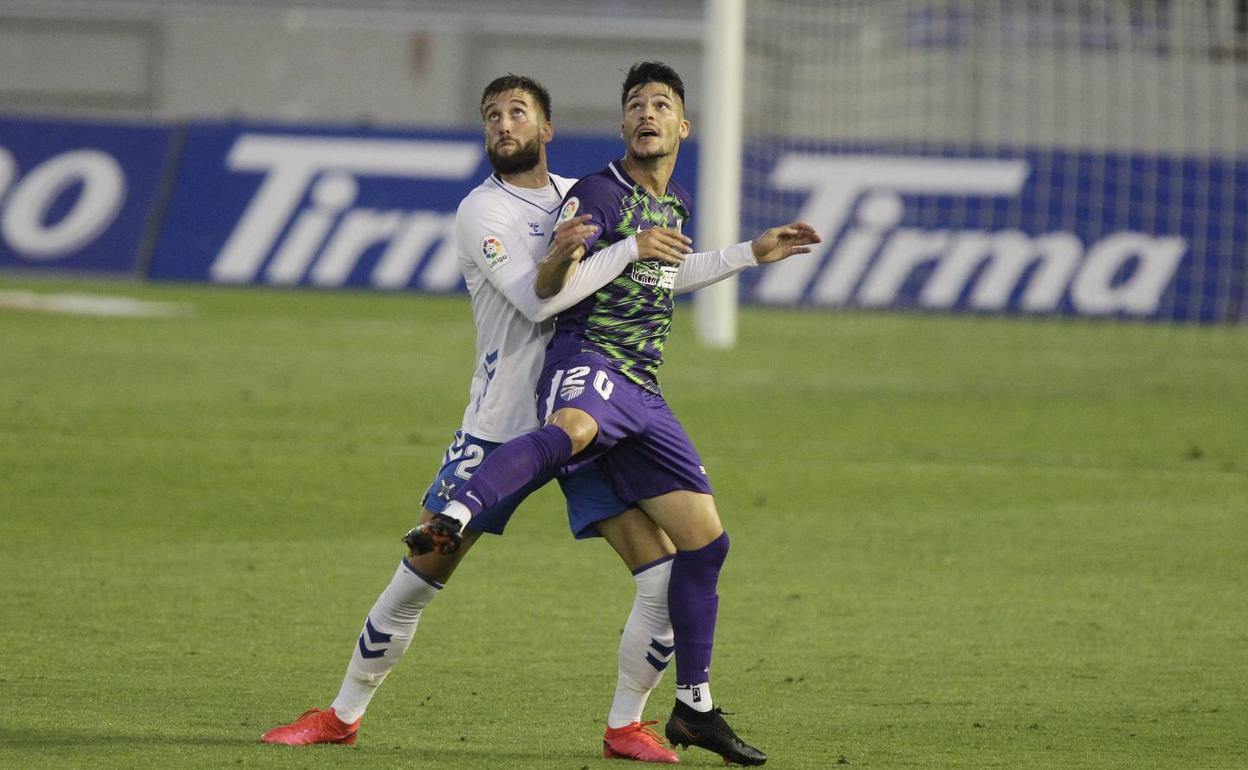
[685,128]
[546,132]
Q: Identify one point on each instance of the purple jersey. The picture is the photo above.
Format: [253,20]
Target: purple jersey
[626,321]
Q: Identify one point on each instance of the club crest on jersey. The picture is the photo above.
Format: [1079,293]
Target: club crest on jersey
[494,251]
[570,207]
[655,274]
[445,490]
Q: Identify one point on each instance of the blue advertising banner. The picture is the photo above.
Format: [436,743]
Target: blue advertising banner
[333,207]
[77,196]
[1010,231]
[1089,234]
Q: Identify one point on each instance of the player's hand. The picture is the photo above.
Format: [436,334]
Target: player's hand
[441,534]
[784,241]
[665,243]
[567,244]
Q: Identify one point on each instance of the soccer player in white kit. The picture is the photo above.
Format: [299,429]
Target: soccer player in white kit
[502,229]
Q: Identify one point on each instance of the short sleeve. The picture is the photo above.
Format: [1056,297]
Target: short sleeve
[598,198]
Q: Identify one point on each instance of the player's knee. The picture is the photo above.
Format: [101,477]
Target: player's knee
[580,427]
[708,533]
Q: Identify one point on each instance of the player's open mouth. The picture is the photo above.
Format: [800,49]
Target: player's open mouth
[647,133]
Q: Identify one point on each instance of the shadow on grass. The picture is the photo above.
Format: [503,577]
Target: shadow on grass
[466,755]
[35,738]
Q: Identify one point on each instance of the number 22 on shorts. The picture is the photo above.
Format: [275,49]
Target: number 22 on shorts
[473,454]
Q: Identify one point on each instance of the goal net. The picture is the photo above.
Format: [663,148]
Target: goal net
[1068,157]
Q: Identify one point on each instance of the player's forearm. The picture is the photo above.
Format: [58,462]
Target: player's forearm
[707,267]
[587,276]
[552,274]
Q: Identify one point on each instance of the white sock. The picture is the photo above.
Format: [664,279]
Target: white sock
[459,512]
[386,635]
[695,696]
[646,646]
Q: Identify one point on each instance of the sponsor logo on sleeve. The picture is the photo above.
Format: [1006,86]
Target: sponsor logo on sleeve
[494,252]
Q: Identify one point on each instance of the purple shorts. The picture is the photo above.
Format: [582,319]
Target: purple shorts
[588,489]
[641,445]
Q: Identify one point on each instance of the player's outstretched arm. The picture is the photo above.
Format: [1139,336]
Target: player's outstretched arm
[708,267]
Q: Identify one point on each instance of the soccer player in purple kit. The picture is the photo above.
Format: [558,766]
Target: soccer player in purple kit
[501,231]
[600,396]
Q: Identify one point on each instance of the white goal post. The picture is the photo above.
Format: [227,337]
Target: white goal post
[719,163]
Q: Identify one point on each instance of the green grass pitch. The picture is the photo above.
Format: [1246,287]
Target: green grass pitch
[958,542]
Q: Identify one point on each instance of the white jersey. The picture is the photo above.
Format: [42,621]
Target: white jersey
[501,233]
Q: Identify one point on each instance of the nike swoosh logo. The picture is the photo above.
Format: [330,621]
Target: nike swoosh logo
[474,497]
[684,728]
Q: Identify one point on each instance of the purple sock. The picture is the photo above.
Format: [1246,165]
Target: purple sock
[693,604]
[513,465]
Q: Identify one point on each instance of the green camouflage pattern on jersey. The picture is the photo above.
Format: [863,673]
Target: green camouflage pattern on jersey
[632,315]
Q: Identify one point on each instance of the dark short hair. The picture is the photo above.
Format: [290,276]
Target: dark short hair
[524,83]
[652,72]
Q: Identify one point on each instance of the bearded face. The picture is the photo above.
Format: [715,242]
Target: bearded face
[515,131]
[511,156]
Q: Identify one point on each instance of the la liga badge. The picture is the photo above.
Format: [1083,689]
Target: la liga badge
[494,252]
[570,207]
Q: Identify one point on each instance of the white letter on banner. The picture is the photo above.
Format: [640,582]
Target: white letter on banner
[290,163]
[906,250]
[1008,253]
[878,214]
[103,193]
[359,230]
[334,193]
[394,269]
[1140,294]
[442,271]
[8,169]
[835,183]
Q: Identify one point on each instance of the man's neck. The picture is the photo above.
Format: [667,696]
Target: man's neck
[652,174]
[535,178]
